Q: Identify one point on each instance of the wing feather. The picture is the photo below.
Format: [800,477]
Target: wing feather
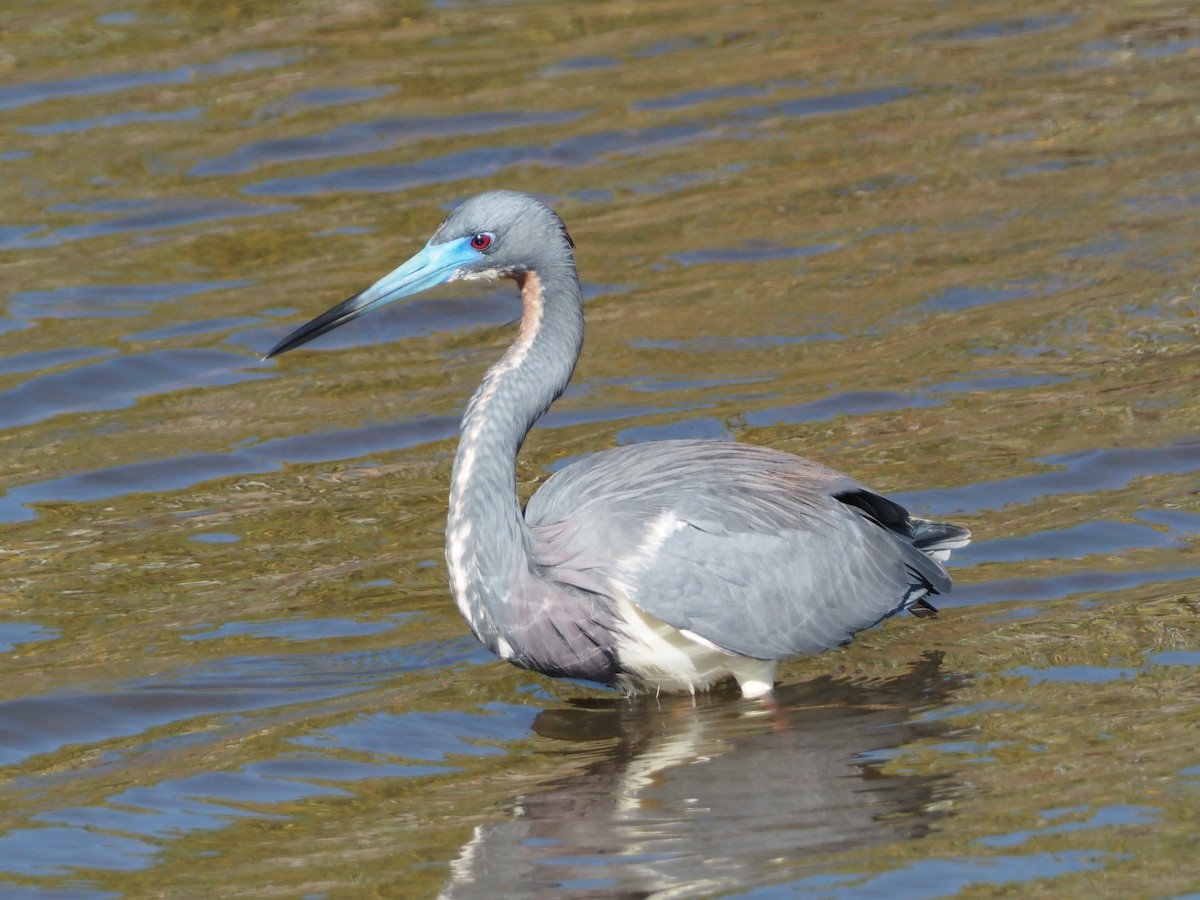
[759,552]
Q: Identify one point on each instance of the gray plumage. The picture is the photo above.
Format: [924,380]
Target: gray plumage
[662,566]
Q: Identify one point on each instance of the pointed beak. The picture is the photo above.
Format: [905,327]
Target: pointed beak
[434,265]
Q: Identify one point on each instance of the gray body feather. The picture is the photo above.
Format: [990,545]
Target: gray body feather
[762,553]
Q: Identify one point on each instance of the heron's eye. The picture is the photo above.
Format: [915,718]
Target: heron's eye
[482,241]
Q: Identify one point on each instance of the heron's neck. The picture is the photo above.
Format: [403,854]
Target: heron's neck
[485,546]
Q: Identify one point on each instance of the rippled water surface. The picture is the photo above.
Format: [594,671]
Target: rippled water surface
[949,248]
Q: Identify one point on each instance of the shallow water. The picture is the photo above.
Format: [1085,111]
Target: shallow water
[948,248]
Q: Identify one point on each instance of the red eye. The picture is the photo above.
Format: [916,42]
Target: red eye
[481,241]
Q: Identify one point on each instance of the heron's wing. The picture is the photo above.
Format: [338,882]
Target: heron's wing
[758,552]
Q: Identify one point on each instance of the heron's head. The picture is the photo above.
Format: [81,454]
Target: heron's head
[500,234]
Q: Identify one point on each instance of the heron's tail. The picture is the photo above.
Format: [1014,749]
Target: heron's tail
[937,539]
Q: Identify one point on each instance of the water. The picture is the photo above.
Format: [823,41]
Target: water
[947,248]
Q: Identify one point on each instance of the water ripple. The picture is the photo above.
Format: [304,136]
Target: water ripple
[371,137]
[119,382]
[17,95]
[148,215]
[1084,472]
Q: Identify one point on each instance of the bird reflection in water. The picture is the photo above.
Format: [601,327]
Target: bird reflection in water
[714,794]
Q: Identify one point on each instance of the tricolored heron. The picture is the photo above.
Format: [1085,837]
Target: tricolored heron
[666,566]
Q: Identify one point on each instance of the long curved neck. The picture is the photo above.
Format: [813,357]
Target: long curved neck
[485,545]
